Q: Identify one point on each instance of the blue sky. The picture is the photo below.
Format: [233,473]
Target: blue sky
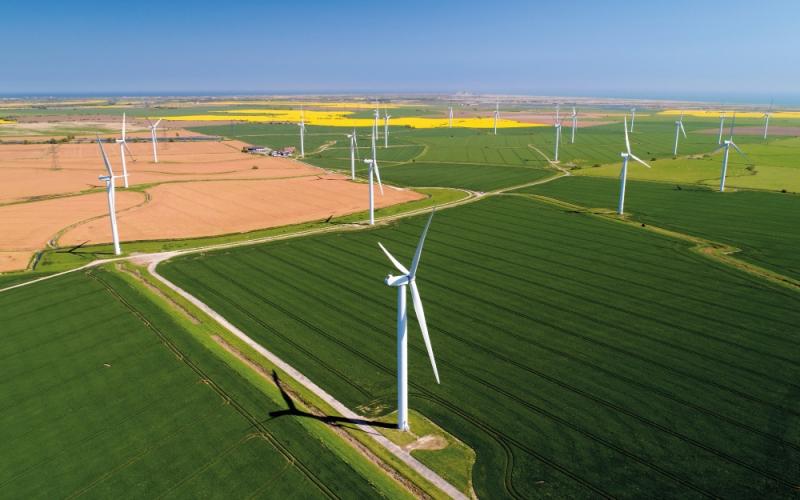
[703,49]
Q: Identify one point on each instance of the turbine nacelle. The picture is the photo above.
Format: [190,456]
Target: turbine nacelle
[401,280]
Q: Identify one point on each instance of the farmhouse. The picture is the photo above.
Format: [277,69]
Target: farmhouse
[260,150]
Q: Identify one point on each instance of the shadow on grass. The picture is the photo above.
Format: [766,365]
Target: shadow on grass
[293,411]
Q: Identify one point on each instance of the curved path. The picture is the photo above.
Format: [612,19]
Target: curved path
[343,410]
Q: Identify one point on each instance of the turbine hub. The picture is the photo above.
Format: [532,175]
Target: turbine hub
[397,280]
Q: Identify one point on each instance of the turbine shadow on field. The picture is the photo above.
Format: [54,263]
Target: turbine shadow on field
[292,410]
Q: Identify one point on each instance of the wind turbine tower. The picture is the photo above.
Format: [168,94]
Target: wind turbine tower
[408,280]
[623,176]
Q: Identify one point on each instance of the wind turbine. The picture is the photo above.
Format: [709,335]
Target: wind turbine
[726,145]
[766,120]
[721,122]
[557,126]
[386,117]
[408,279]
[450,117]
[112,197]
[154,138]
[496,116]
[353,153]
[373,172]
[678,129]
[623,176]
[302,126]
[377,117]
[123,146]
[574,124]
[633,117]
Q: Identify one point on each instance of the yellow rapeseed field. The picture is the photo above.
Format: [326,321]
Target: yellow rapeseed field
[2,121]
[312,104]
[701,113]
[344,119]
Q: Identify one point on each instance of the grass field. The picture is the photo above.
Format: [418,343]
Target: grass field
[774,167]
[104,394]
[762,224]
[578,356]
[471,159]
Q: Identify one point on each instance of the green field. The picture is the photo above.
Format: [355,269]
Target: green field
[775,167]
[104,394]
[470,159]
[763,225]
[578,356]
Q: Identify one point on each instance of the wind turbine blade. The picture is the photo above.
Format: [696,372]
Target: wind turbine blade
[156,124]
[400,267]
[683,130]
[423,326]
[627,141]
[123,126]
[638,159]
[733,123]
[739,151]
[105,157]
[125,144]
[418,253]
[378,175]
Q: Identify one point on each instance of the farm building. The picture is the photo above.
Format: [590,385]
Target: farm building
[287,151]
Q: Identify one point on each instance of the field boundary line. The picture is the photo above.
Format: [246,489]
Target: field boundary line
[713,250]
[343,410]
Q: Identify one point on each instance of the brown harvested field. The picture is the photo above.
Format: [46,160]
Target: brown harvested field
[200,189]
[193,209]
[29,171]
[28,227]
[773,131]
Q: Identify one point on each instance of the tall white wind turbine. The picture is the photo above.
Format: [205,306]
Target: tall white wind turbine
[678,129]
[574,124]
[375,124]
[353,152]
[374,173]
[302,126]
[726,145]
[450,118]
[408,280]
[766,120]
[633,117]
[721,123]
[557,126]
[496,115]
[123,147]
[386,117]
[154,138]
[112,197]
[623,176]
